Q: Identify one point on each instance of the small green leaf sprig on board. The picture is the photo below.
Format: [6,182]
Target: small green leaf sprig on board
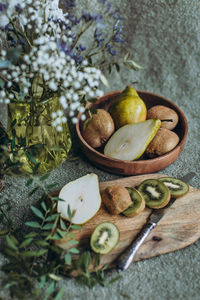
[34,263]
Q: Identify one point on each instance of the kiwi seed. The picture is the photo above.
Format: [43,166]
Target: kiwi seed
[177,187]
[138,203]
[104,237]
[156,194]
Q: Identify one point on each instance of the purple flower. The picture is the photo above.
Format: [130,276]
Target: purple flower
[18,8]
[69,3]
[98,38]
[102,1]
[110,49]
[3,7]
[117,38]
[109,6]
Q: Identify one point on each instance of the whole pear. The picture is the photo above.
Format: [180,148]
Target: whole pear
[99,129]
[128,108]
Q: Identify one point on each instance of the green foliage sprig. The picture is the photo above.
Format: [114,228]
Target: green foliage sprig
[35,264]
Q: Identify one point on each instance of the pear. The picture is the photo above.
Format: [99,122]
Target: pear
[130,141]
[128,108]
[99,128]
[83,197]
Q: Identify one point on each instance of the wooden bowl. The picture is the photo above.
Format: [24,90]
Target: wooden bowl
[142,165]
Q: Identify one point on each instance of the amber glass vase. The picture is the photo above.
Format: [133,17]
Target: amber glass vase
[40,147]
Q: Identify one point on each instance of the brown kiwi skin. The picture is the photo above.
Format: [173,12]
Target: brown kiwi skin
[164,113]
[139,210]
[116,199]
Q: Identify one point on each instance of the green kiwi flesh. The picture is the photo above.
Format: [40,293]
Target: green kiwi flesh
[155,193]
[177,187]
[137,203]
[104,238]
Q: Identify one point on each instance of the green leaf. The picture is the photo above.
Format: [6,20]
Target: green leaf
[25,243]
[37,212]
[73,242]
[48,226]
[41,252]
[60,294]
[69,212]
[62,225]
[33,224]
[28,253]
[4,232]
[41,243]
[76,227]
[117,67]
[33,191]
[104,80]
[44,177]
[42,281]
[55,277]
[61,233]
[52,217]
[134,64]
[126,56]
[97,260]
[57,199]
[50,186]
[115,279]
[31,235]
[44,206]
[68,259]
[11,243]
[74,250]
[29,181]
[50,289]
[31,158]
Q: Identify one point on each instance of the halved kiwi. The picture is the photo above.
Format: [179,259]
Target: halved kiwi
[156,194]
[104,237]
[138,203]
[177,187]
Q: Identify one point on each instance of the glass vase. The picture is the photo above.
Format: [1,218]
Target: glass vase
[40,147]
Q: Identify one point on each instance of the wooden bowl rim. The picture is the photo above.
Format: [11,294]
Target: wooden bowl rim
[139,162]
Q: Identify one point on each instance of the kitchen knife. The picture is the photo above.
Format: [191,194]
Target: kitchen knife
[127,256]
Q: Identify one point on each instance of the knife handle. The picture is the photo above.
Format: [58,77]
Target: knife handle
[127,256]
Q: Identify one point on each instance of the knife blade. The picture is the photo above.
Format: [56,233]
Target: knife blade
[125,259]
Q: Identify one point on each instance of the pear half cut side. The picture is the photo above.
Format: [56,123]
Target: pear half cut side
[83,197]
[130,141]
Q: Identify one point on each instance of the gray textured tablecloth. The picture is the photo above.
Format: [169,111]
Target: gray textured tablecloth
[164,37]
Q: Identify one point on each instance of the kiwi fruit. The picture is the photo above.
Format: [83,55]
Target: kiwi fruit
[177,187]
[156,194]
[137,205]
[169,118]
[104,237]
[164,141]
[116,199]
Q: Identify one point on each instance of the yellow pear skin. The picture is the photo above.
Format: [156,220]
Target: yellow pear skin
[128,108]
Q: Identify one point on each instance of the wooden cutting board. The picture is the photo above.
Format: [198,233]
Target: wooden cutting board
[179,227]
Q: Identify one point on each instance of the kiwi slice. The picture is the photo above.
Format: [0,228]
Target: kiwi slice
[156,194]
[138,203]
[177,187]
[104,238]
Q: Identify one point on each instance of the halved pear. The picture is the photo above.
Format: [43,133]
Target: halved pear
[83,197]
[130,141]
